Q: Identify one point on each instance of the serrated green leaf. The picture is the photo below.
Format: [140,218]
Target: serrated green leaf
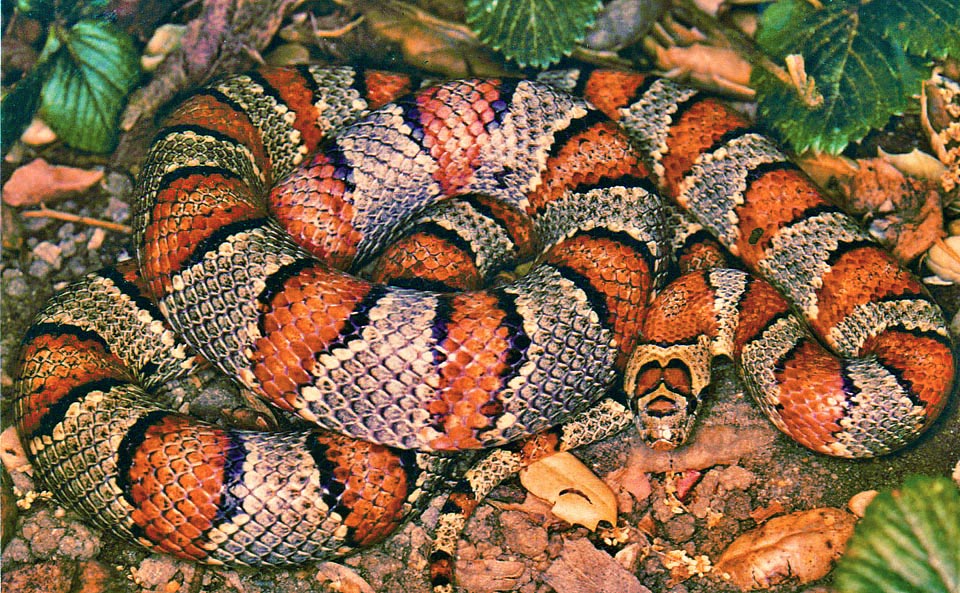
[922,27]
[863,75]
[907,542]
[90,79]
[534,32]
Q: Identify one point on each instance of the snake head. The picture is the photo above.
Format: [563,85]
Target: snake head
[663,386]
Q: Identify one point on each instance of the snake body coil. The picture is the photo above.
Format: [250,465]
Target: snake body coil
[263,187]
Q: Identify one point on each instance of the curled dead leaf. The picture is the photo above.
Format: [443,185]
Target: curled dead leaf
[577,494]
[38,181]
[943,259]
[800,546]
[915,163]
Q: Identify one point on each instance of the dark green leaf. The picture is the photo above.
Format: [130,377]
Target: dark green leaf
[91,77]
[923,27]
[534,32]
[907,542]
[863,76]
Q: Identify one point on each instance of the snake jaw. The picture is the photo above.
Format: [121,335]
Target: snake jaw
[664,385]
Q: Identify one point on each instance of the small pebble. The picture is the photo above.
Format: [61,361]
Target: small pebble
[117,210]
[50,253]
[39,268]
[14,284]
[66,231]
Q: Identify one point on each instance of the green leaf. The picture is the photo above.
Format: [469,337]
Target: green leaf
[922,27]
[907,542]
[534,32]
[863,75]
[91,76]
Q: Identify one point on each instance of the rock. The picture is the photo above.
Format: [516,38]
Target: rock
[93,578]
[581,568]
[54,576]
[522,535]
[680,528]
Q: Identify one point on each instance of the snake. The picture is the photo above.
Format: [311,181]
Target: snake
[418,270]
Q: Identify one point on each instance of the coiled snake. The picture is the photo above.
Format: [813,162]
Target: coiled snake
[453,186]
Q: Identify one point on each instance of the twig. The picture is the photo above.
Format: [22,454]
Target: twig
[45,212]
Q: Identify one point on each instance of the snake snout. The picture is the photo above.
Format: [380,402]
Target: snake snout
[664,384]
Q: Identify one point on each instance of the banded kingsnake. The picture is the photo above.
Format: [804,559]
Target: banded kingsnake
[531,172]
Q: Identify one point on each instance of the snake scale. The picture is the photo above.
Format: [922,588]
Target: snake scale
[344,248]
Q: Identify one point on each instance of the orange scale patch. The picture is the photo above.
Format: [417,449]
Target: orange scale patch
[175,507]
[375,486]
[696,130]
[601,152]
[311,204]
[207,112]
[609,90]
[187,211]
[58,364]
[703,255]
[926,364]
[862,275]
[470,377]
[305,317]
[682,311]
[430,258]
[808,381]
[760,303]
[518,225]
[454,132]
[383,87]
[618,273]
[296,94]
[771,202]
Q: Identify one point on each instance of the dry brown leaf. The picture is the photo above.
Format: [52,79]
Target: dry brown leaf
[434,44]
[577,494]
[827,170]
[801,546]
[943,259]
[903,210]
[40,182]
[915,163]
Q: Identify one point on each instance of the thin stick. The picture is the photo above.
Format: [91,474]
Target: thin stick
[45,212]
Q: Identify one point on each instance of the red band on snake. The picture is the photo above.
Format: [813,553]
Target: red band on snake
[459,182]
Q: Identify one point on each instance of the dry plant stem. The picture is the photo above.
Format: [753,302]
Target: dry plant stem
[45,212]
[339,31]
[740,42]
